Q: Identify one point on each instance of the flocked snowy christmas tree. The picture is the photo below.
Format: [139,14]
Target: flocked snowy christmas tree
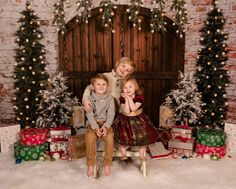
[185,101]
[56,106]
[29,74]
[212,78]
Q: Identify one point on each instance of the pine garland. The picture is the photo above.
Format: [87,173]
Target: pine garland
[83,11]
[181,17]
[157,16]
[59,15]
[107,8]
[133,12]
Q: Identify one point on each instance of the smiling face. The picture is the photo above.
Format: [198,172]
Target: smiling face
[124,69]
[129,88]
[100,86]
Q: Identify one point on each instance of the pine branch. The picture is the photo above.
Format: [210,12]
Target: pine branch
[158,23]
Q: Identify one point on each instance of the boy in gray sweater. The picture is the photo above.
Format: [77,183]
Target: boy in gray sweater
[99,124]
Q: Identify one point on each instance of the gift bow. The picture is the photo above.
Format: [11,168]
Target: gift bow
[182,139]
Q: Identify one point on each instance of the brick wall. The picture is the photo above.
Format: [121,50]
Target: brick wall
[197,9]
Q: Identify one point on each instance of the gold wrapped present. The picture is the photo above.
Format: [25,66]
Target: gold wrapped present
[77,146]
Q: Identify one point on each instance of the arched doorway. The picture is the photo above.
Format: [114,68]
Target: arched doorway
[90,49]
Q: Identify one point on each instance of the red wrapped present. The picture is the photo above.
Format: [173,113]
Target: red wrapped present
[219,151]
[183,131]
[59,145]
[33,136]
[60,132]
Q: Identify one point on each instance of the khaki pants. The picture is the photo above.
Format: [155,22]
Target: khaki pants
[91,146]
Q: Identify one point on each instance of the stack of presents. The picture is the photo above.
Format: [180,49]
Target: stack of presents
[208,143]
[32,144]
[173,142]
[41,143]
[56,143]
[181,142]
[60,143]
[178,141]
[211,143]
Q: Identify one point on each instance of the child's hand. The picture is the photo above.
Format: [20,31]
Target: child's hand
[98,133]
[123,95]
[87,106]
[104,131]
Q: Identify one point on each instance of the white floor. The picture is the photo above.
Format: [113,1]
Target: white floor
[195,173]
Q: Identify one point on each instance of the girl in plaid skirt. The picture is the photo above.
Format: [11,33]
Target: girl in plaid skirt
[132,127]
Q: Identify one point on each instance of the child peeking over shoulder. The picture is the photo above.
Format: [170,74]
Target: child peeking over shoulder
[124,67]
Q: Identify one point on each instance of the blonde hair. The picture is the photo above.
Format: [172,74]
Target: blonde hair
[131,78]
[126,60]
[99,76]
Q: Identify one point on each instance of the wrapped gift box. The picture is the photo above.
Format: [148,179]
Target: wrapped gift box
[28,153]
[177,146]
[165,117]
[77,146]
[78,116]
[9,134]
[230,130]
[211,137]
[59,145]
[60,132]
[202,150]
[158,151]
[181,131]
[33,136]
[231,143]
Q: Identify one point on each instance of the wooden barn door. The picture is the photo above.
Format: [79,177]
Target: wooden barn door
[89,48]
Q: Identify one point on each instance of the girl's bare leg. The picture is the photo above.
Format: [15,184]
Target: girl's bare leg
[123,152]
[142,152]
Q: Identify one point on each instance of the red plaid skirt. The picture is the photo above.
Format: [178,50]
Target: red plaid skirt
[134,130]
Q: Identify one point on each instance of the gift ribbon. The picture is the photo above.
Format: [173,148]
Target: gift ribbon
[183,127]
[59,128]
[183,139]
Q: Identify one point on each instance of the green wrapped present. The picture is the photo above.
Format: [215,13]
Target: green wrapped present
[211,137]
[28,153]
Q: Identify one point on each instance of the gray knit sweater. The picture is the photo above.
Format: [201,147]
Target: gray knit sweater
[103,110]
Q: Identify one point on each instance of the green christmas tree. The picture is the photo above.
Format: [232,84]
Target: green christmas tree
[212,78]
[56,106]
[29,74]
[185,101]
